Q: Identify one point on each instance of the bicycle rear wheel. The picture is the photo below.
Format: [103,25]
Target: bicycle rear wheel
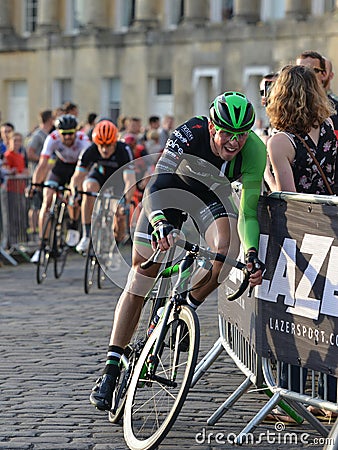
[46,248]
[60,248]
[90,267]
[154,401]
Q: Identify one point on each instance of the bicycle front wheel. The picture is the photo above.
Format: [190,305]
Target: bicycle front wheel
[90,266]
[154,400]
[60,248]
[46,247]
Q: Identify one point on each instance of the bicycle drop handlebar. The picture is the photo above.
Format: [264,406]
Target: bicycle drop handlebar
[207,254]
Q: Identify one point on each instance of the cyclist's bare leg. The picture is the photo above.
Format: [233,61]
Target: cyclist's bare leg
[129,306]
[221,237]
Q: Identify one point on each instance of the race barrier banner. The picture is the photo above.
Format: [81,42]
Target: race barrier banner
[293,316]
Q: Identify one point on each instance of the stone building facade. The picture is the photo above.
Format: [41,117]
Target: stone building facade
[143,57]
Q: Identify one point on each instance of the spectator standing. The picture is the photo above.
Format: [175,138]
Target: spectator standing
[38,137]
[166,129]
[14,157]
[90,124]
[34,147]
[6,129]
[70,108]
[133,125]
[323,69]
[153,125]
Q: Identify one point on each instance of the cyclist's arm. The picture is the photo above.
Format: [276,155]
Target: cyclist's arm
[41,170]
[78,178]
[253,166]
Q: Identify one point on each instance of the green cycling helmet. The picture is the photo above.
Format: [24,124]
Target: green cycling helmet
[232,112]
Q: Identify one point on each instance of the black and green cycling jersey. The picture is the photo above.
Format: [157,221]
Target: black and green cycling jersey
[188,164]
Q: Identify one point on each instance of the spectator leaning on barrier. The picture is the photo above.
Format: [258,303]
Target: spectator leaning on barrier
[299,110]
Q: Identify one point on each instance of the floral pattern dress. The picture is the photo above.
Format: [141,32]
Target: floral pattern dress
[305,172]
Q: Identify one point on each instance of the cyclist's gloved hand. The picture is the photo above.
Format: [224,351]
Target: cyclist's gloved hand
[255,267]
[251,258]
[162,228]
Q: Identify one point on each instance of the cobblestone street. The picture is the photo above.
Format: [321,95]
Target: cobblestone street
[53,343]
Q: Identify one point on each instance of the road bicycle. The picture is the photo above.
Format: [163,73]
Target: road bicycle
[156,371]
[53,243]
[102,245]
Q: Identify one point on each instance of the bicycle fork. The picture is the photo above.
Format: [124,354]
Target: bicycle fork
[176,299]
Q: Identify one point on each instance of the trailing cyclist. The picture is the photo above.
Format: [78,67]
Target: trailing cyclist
[65,144]
[202,156]
[95,166]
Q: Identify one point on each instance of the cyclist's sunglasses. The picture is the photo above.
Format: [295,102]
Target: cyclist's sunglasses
[233,135]
[67,131]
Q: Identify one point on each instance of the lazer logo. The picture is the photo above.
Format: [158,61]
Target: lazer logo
[317,289]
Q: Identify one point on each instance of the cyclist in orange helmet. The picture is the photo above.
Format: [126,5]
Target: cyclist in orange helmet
[98,163]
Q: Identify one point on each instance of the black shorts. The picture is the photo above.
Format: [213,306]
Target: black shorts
[61,173]
[94,174]
[203,214]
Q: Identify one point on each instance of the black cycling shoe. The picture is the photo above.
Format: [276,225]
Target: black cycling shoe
[102,392]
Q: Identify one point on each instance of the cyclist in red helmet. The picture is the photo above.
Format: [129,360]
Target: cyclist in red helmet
[101,160]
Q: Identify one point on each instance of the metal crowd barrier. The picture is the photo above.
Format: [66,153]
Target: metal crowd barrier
[14,217]
[285,340]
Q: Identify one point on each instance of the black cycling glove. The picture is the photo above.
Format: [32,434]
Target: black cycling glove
[162,229]
[252,257]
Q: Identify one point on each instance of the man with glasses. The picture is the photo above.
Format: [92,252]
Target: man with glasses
[193,175]
[65,145]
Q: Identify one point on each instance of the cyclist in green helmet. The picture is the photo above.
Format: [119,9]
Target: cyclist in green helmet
[193,175]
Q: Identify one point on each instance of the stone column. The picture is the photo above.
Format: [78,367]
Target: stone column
[297,9]
[5,15]
[195,12]
[247,11]
[48,15]
[146,13]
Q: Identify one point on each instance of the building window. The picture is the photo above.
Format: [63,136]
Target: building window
[62,91]
[74,17]
[220,10]
[30,15]
[111,98]
[125,14]
[163,86]
[173,13]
